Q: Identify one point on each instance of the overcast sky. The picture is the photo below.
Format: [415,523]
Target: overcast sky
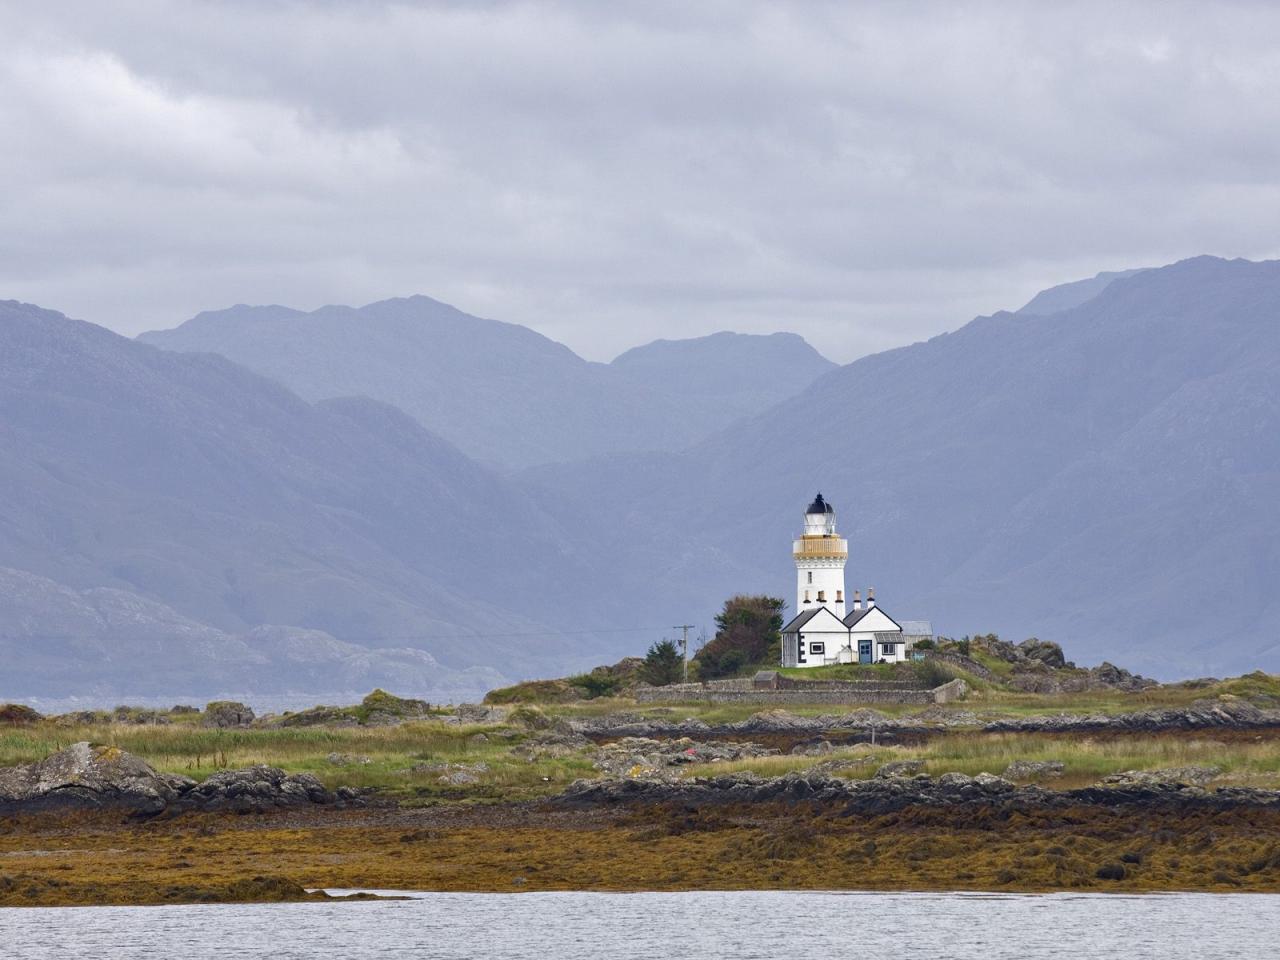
[864,176]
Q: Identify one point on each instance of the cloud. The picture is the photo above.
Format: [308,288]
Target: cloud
[865,175]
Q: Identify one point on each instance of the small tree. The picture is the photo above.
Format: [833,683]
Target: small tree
[747,635]
[662,664]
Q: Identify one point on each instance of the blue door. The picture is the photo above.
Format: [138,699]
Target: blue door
[864,651]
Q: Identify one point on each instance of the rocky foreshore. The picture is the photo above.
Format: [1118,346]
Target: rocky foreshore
[888,794]
[95,777]
[1200,715]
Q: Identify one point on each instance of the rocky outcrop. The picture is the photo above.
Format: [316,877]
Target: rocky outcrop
[257,789]
[900,768]
[638,756]
[1203,714]
[227,713]
[1039,666]
[18,714]
[93,776]
[479,713]
[90,776]
[1034,770]
[881,795]
[1169,776]
[454,774]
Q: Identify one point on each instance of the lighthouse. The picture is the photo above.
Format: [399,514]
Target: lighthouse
[820,555]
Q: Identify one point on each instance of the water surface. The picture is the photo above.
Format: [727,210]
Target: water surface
[665,926]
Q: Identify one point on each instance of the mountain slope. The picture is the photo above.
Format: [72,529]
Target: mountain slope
[114,644]
[1065,296]
[188,481]
[1105,476]
[500,392]
[723,377]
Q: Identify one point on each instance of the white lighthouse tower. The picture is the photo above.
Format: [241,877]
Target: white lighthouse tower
[820,555]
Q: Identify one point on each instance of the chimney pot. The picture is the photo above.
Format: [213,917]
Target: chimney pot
[871,597]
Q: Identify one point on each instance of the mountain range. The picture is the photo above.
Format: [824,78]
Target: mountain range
[288,501]
[501,393]
[1105,476]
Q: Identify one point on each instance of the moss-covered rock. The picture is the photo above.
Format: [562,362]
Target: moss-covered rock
[227,713]
[18,714]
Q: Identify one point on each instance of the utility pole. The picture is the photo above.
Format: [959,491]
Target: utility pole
[684,645]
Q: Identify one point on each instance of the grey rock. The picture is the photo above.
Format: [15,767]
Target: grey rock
[1043,651]
[642,757]
[346,759]
[93,776]
[990,783]
[254,790]
[89,776]
[900,768]
[481,713]
[454,774]
[227,713]
[1196,776]
[1034,770]
[887,795]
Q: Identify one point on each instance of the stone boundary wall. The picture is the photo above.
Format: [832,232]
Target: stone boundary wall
[949,691]
[791,683]
[742,691]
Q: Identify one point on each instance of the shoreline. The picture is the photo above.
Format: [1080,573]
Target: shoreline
[100,858]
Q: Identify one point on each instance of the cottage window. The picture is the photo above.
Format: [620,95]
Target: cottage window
[886,649]
[817,647]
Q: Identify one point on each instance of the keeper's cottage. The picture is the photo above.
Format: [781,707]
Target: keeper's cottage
[826,629]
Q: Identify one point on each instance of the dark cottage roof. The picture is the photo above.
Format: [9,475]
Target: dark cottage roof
[820,506]
[799,620]
[855,615]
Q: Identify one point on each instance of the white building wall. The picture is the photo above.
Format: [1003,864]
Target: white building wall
[820,576]
[875,620]
[832,640]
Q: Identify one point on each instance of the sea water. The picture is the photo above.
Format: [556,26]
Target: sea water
[665,926]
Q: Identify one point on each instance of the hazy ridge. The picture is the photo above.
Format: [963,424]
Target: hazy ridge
[1102,476]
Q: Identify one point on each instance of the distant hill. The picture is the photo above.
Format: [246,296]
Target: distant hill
[115,644]
[725,376]
[1065,296]
[1105,476]
[217,496]
[500,392]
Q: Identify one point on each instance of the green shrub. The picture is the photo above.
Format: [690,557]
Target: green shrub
[931,673]
[662,664]
[596,684]
[747,635]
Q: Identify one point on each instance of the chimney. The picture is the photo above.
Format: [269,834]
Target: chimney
[857,599]
[871,598]
[839,596]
